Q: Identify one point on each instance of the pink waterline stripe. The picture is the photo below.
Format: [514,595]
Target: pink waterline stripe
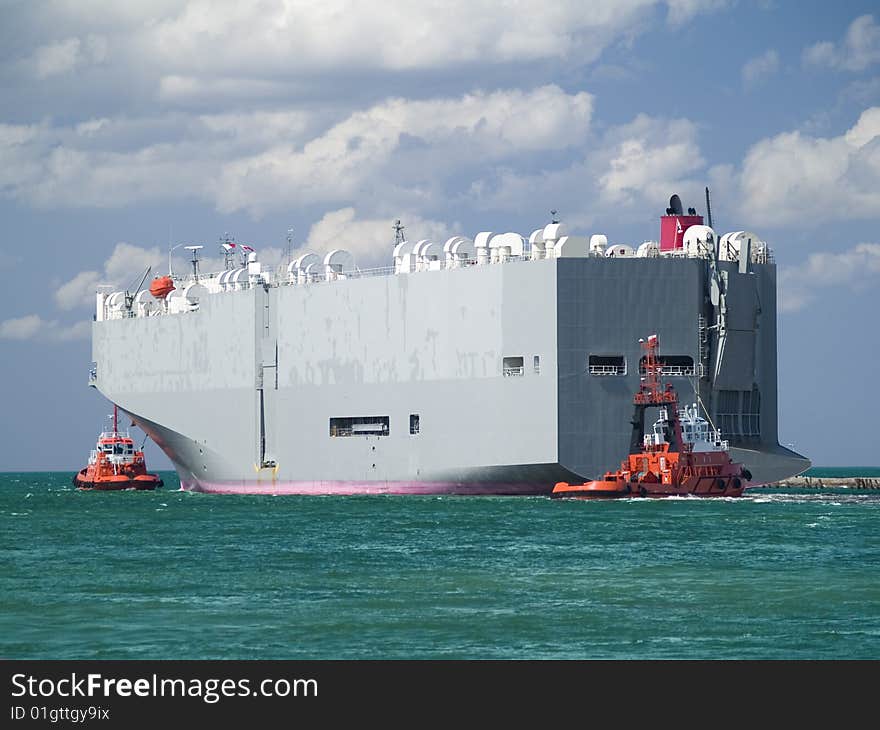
[357,488]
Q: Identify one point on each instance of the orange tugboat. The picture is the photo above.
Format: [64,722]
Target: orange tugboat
[114,464]
[681,455]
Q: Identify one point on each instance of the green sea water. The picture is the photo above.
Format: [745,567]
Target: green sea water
[780,574]
[842,472]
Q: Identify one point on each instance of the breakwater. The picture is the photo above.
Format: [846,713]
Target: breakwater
[823,482]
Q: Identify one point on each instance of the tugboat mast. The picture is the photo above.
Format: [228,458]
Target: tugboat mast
[652,393]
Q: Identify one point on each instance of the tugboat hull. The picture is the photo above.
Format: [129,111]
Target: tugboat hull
[116,483]
[610,489]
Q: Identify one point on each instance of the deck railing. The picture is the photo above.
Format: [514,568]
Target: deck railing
[280,277]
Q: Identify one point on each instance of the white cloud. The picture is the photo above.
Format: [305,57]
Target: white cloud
[196,91]
[127,261]
[261,161]
[369,239]
[187,51]
[680,11]
[61,57]
[124,267]
[56,58]
[81,330]
[856,267]
[757,69]
[108,162]
[406,144]
[174,57]
[859,49]
[78,291]
[628,170]
[795,178]
[20,328]
[651,158]
[34,327]
[259,128]
[820,54]
[296,37]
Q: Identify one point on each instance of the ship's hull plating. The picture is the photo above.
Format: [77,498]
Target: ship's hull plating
[346,489]
[482,376]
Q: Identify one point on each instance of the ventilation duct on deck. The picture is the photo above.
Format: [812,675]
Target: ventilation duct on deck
[537,245]
[145,303]
[459,251]
[648,250]
[620,251]
[504,246]
[296,269]
[552,233]
[481,244]
[699,241]
[404,260]
[337,264]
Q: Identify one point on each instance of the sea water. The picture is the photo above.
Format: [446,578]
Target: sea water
[778,574]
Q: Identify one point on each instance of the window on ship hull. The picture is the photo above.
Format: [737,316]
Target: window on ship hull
[673,365]
[360,426]
[607,365]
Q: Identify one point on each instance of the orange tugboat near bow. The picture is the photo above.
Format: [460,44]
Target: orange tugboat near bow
[115,464]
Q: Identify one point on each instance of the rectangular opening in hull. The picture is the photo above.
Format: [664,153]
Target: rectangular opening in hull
[673,365]
[513,367]
[607,365]
[360,426]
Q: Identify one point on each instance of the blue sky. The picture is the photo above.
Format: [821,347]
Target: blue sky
[126,126]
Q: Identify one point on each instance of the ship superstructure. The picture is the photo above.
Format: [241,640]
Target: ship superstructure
[496,364]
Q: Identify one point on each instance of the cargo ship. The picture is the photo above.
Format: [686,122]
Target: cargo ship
[492,364]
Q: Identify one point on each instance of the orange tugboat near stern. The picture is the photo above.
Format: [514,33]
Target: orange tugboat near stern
[681,455]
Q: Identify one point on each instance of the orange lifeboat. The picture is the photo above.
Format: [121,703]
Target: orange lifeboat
[115,464]
[161,287]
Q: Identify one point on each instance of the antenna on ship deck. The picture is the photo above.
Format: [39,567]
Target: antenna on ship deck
[195,259]
[553,216]
[398,232]
[227,243]
[289,244]
[708,208]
